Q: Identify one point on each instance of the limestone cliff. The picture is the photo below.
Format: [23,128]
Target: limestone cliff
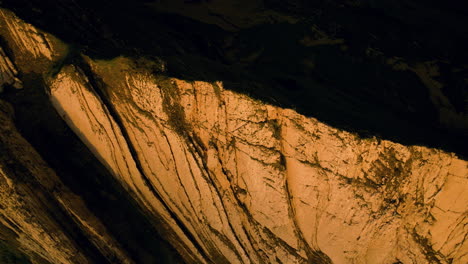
[224,177]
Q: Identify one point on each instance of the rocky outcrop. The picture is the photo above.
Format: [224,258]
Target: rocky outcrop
[228,178]
[249,182]
[8,72]
[39,215]
[34,202]
[25,37]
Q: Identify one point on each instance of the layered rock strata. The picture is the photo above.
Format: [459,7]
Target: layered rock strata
[35,203]
[235,180]
[8,72]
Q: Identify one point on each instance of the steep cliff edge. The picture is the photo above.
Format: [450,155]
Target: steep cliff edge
[35,204]
[252,182]
[226,178]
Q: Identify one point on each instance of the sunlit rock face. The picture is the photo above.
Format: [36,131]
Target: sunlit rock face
[226,178]
[35,202]
[249,182]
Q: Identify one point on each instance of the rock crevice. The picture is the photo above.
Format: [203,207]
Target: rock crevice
[227,178]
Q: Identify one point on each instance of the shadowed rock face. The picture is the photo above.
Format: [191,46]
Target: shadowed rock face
[145,127]
[392,69]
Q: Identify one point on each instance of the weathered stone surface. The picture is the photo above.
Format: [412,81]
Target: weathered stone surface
[26,37]
[8,72]
[33,49]
[258,183]
[236,180]
[34,202]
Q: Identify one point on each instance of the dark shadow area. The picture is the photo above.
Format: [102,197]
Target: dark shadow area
[340,62]
[40,124]
[11,255]
[349,64]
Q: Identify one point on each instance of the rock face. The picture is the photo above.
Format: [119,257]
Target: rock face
[35,201]
[9,72]
[226,178]
[249,182]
